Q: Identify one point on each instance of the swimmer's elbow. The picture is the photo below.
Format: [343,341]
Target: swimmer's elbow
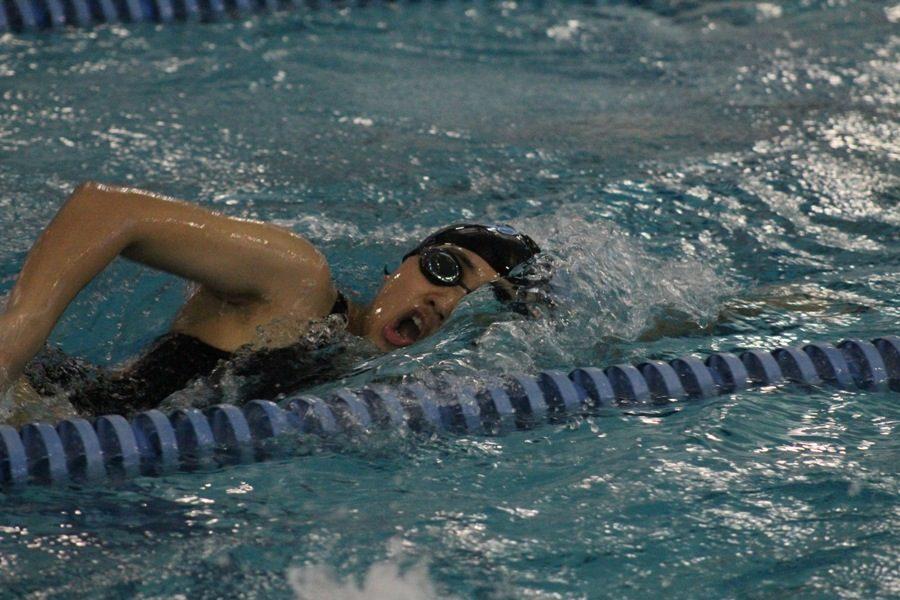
[99,210]
[310,268]
[306,275]
[110,200]
[85,187]
[89,195]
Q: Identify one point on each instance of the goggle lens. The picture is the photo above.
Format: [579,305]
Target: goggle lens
[441,267]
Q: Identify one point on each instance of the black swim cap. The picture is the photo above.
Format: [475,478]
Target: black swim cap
[501,246]
[504,249]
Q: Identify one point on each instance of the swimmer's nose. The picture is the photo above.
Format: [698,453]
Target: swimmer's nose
[442,304]
[440,314]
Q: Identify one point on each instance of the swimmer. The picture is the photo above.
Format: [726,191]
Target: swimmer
[251,277]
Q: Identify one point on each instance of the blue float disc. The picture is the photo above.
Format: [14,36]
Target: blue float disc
[215,9]
[120,448]
[157,444]
[165,13]
[242,6]
[595,384]
[662,380]
[469,409]
[148,10]
[80,13]
[527,399]
[889,348]
[13,460]
[46,457]
[82,448]
[266,419]
[561,394]
[188,10]
[762,367]
[446,396]
[4,19]
[695,377]
[105,11]
[830,364]
[728,371]
[56,14]
[312,415]
[497,410]
[27,14]
[194,434]
[425,413]
[866,365]
[133,11]
[796,365]
[384,406]
[628,383]
[231,431]
[346,403]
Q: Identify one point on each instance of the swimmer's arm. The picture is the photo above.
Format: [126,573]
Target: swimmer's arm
[239,260]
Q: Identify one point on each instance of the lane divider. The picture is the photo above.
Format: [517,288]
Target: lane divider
[76,450]
[20,16]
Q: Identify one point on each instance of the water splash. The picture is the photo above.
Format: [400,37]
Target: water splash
[608,288]
[388,579]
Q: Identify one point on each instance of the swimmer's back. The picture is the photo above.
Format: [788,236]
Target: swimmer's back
[169,365]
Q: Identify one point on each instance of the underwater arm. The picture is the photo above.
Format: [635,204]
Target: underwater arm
[235,258]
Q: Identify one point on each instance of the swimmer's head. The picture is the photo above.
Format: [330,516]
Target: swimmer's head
[437,274]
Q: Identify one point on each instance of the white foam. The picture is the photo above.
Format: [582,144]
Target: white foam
[383,580]
[892,13]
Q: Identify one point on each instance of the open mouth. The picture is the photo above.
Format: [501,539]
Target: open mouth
[406,330]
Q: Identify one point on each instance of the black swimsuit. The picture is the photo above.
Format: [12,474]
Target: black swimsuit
[174,360]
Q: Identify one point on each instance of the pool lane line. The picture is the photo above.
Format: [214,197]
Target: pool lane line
[79,451]
[27,16]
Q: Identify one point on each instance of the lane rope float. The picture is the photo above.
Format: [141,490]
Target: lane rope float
[76,450]
[26,16]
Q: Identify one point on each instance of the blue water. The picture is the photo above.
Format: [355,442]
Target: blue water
[707,175]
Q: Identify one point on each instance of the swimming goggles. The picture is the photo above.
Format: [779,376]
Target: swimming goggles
[442,267]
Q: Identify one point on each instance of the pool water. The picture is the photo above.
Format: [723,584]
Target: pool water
[706,175]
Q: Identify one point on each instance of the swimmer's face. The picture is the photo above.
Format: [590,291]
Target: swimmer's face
[409,307]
